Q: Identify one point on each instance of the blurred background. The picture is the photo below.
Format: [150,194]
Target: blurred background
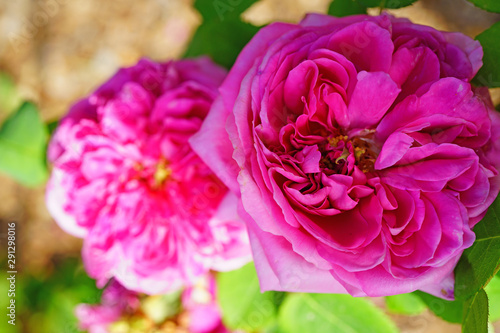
[53,52]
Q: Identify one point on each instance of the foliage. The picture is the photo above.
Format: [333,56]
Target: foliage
[481,261]
[408,304]
[489,5]
[475,317]
[47,303]
[222,34]
[391,4]
[243,305]
[451,311]
[342,8]
[352,7]
[493,291]
[489,74]
[332,313]
[23,141]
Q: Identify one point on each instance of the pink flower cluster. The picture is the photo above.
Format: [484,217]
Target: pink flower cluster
[355,149]
[199,312]
[125,178]
[361,154]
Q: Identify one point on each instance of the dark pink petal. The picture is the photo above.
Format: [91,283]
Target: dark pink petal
[413,68]
[429,168]
[463,65]
[368,105]
[299,83]
[448,103]
[394,148]
[456,235]
[367,45]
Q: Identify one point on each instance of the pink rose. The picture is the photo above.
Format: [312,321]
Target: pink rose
[361,154]
[151,213]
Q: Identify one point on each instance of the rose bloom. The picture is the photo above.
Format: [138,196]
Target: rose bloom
[125,178]
[360,152]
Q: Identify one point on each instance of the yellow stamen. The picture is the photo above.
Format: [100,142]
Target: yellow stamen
[335,140]
[358,152]
[162,173]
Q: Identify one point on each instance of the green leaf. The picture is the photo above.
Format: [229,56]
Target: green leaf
[221,41]
[243,306]
[391,4]
[222,9]
[481,261]
[49,301]
[274,328]
[493,291]
[489,5]
[222,35]
[52,126]
[476,313]
[489,74]
[341,8]
[332,313]
[450,311]
[408,304]
[23,140]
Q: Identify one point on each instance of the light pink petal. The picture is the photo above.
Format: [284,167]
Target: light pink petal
[219,156]
[56,199]
[230,233]
[378,282]
[284,270]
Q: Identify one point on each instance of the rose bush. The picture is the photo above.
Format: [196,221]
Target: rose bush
[361,154]
[151,213]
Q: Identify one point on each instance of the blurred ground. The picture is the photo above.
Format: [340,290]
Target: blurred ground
[57,51]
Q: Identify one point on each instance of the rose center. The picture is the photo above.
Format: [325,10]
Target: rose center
[154,175]
[340,154]
[161,174]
